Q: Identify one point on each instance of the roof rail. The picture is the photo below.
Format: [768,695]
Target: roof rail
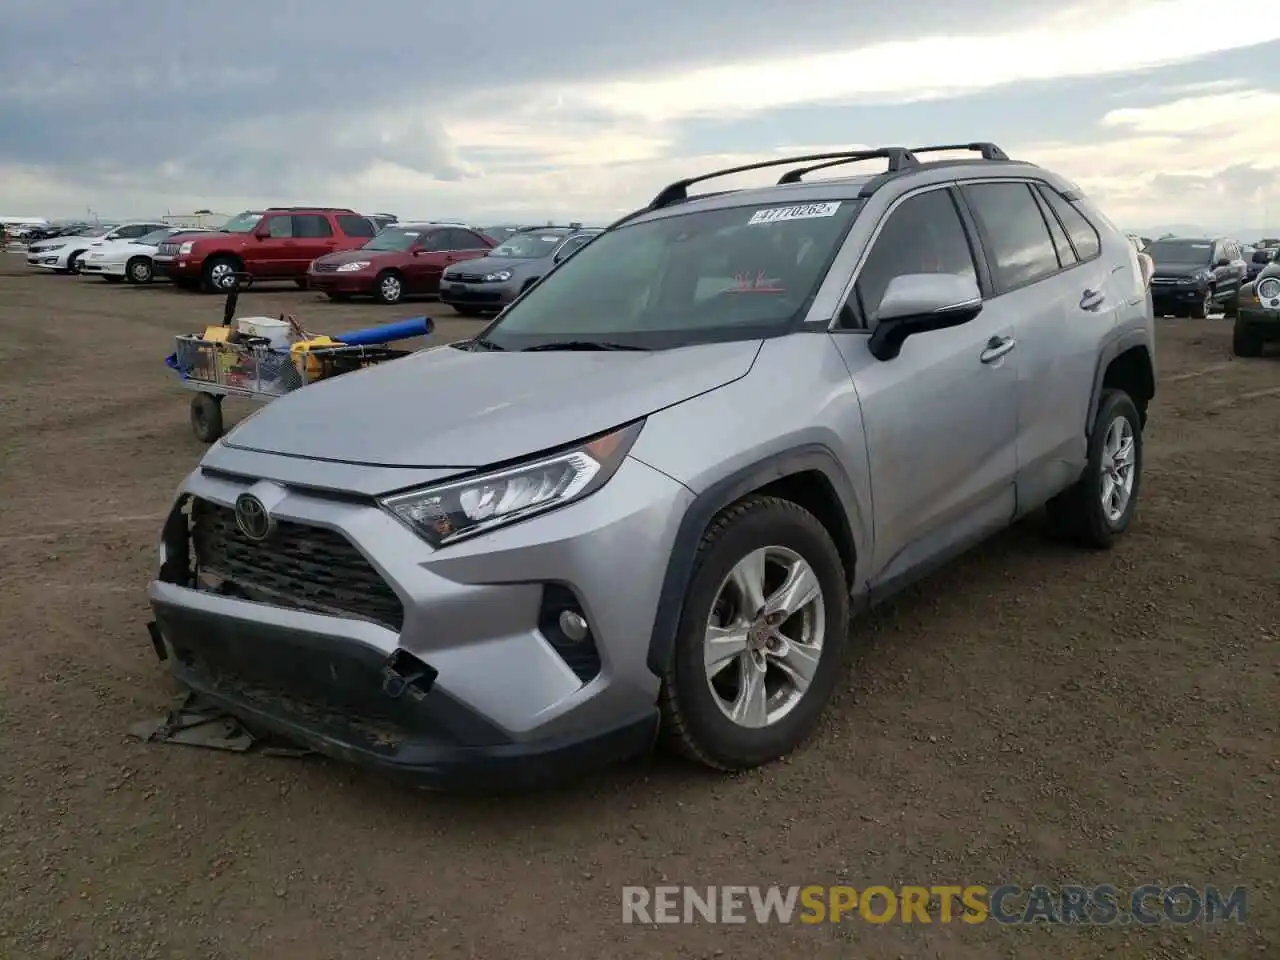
[903,158]
[898,158]
[988,150]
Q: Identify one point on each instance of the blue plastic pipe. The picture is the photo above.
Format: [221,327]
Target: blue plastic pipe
[389,332]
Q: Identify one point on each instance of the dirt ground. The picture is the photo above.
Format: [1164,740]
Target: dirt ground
[1034,714]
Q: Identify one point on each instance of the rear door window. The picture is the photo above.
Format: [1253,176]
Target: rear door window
[1021,248]
[311,226]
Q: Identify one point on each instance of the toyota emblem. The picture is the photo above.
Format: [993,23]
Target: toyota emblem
[252,517]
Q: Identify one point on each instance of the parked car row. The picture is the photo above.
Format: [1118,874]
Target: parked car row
[333,250]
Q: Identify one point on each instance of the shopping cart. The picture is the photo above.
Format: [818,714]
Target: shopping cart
[215,368]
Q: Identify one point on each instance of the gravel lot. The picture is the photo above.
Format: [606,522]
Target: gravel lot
[1034,714]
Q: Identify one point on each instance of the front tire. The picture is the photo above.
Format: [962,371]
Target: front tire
[1200,311]
[1100,506]
[761,640]
[388,288]
[220,274]
[73,261]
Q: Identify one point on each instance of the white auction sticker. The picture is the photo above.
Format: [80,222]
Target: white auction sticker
[802,211]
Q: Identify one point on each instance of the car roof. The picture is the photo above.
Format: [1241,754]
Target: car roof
[905,171]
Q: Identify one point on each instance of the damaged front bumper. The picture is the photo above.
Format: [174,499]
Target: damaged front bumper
[354,703]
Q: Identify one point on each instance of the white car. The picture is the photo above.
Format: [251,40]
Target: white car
[62,254]
[130,260]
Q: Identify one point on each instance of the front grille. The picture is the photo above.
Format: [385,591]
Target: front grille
[324,267]
[298,566]
[467,277]
[167,250]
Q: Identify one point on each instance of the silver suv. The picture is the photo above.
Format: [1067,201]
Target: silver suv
[645,500]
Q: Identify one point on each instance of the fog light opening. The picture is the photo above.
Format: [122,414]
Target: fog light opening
[574,626]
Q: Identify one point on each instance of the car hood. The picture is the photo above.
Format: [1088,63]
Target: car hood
[352,256]
[493,264]
[456,408]
[1173,269]
[59,241]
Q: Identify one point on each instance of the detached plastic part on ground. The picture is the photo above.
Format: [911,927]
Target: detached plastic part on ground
[194,723]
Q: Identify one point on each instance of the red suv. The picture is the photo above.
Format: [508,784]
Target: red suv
[277,244]
[403,259]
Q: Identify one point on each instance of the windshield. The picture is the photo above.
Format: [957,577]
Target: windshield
[242,222]
[154,238]
[528,246]
[101,231]
[393,238]
[1180,251]
[728,274]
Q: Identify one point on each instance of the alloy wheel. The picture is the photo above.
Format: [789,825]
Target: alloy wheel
[1118,461]
[764,636]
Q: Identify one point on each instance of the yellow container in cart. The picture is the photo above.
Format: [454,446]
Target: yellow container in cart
[308,365]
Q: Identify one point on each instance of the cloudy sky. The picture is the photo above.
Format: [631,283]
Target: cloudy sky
[1162,110]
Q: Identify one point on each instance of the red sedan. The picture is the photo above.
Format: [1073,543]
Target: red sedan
[403,260]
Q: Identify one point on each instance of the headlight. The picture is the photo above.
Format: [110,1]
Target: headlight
[1268,288]
[186,247]
[465,508]
[498,276]
[49,249]
[353,266]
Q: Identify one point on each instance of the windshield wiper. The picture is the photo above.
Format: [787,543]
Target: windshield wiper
[584,345]
[480,343]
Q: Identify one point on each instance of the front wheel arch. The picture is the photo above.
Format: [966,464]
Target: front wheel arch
[811,472]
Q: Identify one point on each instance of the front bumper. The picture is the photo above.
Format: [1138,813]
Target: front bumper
[498,702]
[46,261]
[350,283]
[483,296]
[178,268]
[1176,295]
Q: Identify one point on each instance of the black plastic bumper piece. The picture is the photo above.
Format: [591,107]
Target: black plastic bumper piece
[335,698]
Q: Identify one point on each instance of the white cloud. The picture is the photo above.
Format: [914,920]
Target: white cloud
[1092,41]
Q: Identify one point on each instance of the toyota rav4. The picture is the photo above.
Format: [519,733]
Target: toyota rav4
[644,501]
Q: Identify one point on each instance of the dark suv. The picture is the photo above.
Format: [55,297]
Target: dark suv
[276,244]
[1194,274]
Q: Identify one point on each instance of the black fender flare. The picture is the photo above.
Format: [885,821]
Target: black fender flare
[810,457]
[1110,350]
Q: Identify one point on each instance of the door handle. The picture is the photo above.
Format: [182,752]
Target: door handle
[1091,299]
[997,347]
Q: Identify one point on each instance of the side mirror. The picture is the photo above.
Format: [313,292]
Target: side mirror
[919,302]
[262,230]
[1223,262]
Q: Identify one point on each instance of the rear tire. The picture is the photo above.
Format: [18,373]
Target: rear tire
[696,716]
[388,288]
[1246,343]
[1079,514]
